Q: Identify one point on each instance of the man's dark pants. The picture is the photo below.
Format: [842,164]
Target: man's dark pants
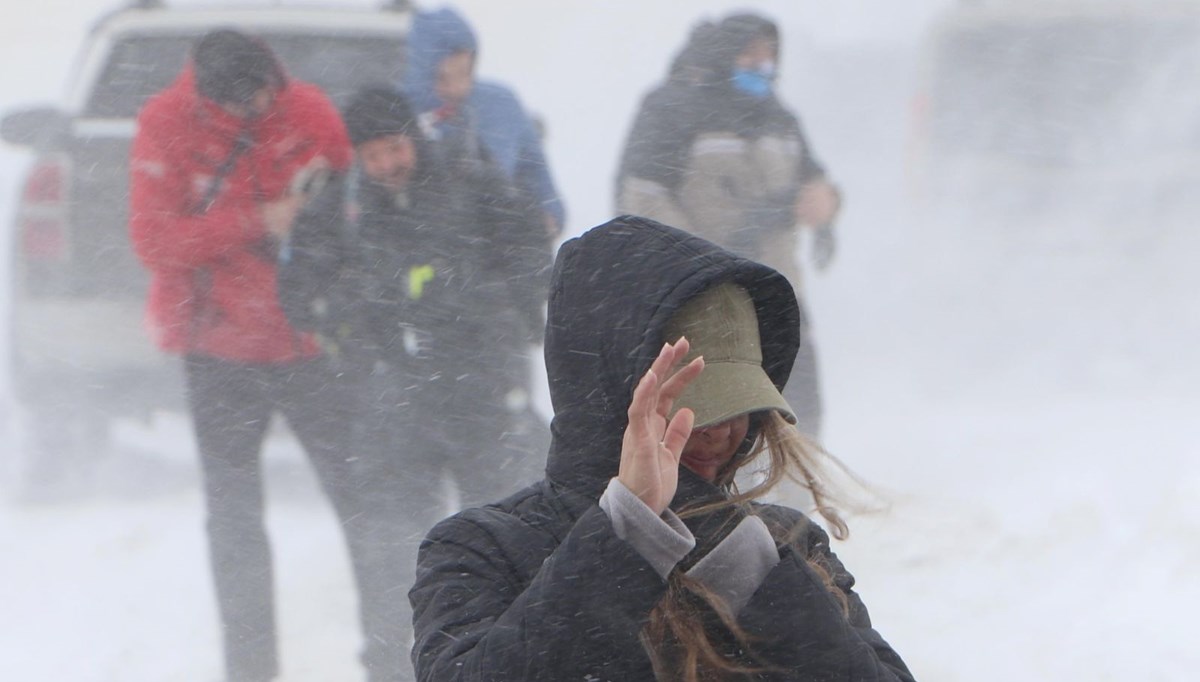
[232,404]
[423,420]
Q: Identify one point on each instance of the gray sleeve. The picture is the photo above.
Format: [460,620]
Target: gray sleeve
[736,567]
[661,540]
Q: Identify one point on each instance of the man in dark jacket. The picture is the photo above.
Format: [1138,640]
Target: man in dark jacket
[403,279]
[542,585]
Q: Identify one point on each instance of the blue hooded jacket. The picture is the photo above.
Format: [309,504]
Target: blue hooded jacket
[502,126]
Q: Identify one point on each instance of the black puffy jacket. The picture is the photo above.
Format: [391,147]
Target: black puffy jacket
[538,587]
[461,258]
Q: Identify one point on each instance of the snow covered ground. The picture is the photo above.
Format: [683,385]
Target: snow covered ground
[1031,417]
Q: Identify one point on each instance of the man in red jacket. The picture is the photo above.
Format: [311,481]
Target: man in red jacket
[218,168]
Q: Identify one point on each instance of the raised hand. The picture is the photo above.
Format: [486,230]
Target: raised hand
[652,444]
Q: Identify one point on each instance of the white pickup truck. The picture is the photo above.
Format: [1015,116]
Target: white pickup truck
[80,355]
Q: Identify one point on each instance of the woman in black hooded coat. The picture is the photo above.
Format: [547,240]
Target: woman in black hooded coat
[541,586]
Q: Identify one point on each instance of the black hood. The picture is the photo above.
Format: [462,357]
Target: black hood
[612,291]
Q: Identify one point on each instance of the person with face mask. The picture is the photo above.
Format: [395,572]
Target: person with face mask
[640,556]
[714,151]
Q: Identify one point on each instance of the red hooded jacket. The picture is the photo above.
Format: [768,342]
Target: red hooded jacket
[213,285]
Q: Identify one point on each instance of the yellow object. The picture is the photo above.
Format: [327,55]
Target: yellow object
[418,277]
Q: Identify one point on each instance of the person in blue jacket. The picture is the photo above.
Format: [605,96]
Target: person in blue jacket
[468,116]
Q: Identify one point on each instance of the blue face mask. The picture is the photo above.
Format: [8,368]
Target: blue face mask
[754,82]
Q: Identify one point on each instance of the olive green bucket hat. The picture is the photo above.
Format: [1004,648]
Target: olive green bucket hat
[722,325]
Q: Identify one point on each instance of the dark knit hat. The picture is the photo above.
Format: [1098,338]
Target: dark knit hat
[378,112]
[231,67]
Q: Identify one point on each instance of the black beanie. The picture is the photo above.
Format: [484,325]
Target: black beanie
[377,112]
[232,67]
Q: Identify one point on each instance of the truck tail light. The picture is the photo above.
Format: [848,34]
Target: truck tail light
[43,214]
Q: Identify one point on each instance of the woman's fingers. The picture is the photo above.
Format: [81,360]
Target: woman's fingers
[665,361]
[665,365]
[651,446]
[673,387]
[678,432]
[654,397]
[642,406]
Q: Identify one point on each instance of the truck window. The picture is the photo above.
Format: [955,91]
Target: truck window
[139,66]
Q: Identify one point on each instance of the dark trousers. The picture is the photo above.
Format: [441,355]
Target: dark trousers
[462,423]
[455,411]
[232,405]
[424,423]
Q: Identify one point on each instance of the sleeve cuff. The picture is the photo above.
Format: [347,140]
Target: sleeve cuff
[737,566]
[661,540]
